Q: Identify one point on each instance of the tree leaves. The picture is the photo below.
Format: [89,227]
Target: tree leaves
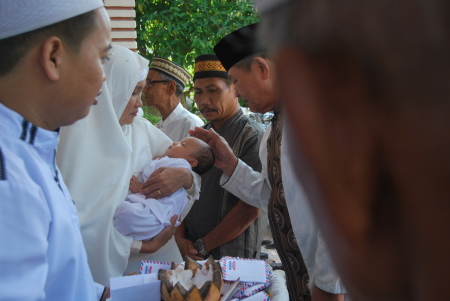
[182,30]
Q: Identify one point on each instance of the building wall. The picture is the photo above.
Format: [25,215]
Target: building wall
[123,25]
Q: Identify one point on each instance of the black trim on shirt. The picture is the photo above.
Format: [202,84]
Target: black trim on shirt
[2,167]
[56,177]
[33,132]
[24,129]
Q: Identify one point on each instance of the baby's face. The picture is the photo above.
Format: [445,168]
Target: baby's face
[185,148]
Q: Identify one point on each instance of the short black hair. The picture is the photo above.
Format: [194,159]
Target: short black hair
[227,81]
[205,158]
[246,63]
[71,31]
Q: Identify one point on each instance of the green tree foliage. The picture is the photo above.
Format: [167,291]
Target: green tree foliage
[183,29]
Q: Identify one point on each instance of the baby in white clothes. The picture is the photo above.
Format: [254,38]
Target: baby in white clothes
[144,218]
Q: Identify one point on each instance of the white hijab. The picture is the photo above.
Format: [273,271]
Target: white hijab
[97,158]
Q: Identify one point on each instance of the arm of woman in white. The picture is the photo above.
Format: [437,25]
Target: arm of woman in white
[154,244]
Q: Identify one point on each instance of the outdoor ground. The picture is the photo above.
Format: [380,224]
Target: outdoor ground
[271,252]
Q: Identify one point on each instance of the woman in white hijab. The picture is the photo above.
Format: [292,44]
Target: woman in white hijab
[97,157]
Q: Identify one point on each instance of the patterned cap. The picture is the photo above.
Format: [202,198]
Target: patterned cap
[238,45]
[265,6]
[21,16]
[171,69]
[208,65]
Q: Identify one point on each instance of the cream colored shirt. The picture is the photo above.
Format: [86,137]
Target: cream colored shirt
[178,123]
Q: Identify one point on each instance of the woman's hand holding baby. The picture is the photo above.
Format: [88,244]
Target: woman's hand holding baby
[165,181]
[154,244]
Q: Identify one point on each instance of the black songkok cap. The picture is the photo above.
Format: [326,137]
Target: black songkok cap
[238,45]
[208,65]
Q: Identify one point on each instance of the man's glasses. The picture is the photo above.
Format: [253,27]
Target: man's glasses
[150,82]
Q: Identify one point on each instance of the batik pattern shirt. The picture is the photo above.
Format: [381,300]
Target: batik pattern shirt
[253,187]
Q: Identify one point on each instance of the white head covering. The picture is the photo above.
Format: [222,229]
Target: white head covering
[143,76]
[96,157]
[124,76]
[21,16]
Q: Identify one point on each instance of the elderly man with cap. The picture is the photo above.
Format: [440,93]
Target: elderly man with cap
[166,82]
[219,223]
[304,256]
[366,85]
[56,49]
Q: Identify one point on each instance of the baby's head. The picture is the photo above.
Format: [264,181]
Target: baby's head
[197,152]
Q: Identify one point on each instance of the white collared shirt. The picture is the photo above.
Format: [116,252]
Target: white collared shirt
[178,123]
[42,256]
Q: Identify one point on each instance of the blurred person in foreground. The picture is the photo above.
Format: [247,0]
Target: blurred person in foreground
[366,87]
[51,71]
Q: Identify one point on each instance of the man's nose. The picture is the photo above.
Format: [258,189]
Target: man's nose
[205,100]
[198,100]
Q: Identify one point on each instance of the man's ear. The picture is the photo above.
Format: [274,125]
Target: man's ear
[171,87]
[51,57]
[263,67]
